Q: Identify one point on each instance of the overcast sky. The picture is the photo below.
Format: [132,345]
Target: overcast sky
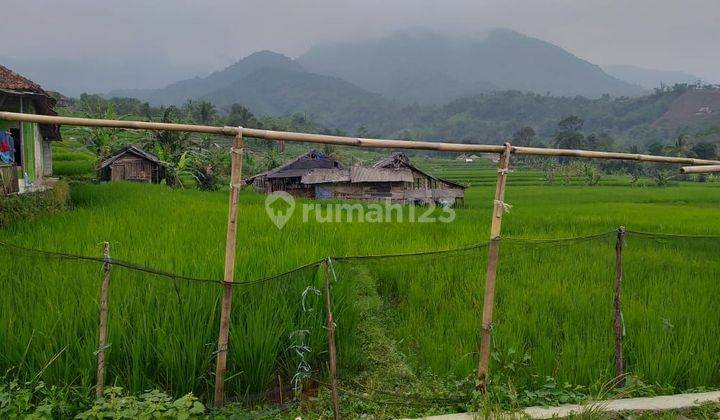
[200,36]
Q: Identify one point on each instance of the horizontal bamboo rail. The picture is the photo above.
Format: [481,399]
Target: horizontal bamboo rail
[345,141]
[704,169]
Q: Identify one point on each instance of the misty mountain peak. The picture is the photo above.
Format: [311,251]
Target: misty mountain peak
[499,59]
[264,58]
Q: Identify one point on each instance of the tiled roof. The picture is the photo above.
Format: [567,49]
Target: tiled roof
[10,80]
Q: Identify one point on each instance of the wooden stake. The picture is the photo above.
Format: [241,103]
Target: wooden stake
[102,340]
[235,179]
[332,352]
[619,361]
[493,253]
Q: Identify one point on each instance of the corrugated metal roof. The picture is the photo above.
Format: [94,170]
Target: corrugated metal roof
[363,174]
[396,159]
[300,166]
[400,160]
[322,176]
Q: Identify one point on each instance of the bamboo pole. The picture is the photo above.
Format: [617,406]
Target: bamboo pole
[491,275]
[102,340]
[235,179]
[619,361]
[346,141]
[332,351]
[589,154]
[704,169]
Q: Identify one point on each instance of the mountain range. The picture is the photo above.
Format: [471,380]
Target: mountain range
[405,68]
[433,86]
[430,68]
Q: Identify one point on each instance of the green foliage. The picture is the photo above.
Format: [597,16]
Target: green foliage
[30,206]
[404,327]
[172,148]
[102,140]
[149,405]
[209,167]
[36,400]
[661,177]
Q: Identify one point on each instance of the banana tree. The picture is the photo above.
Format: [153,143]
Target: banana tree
[176,166]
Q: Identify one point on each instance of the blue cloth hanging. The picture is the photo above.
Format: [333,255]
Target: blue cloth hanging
[7,148]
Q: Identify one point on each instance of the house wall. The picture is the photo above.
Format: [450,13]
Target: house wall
[379,191]
[131,168]
[28,143]
[39,152]
[47,158]
[35,153]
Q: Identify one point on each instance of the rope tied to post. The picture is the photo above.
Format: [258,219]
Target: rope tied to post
[505,206]
[239,185]
[505,171]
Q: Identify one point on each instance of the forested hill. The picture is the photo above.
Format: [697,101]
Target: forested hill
[268,83]
[431,68]
[495,117]
[271,83]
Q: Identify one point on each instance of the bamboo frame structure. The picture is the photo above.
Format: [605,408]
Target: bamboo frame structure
[102,328]
[491,274]
[235,180]
[347,141]
[332,351]
[703,169]
[236,174]
[617,309]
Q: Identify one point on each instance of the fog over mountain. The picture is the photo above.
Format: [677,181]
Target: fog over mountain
[401,66]
[649,78]
[98,74]
[85,45]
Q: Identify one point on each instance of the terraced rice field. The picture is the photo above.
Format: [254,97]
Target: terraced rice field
[553,314]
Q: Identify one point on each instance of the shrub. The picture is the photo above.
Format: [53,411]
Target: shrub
[31,205]
[37,400]
[153,404]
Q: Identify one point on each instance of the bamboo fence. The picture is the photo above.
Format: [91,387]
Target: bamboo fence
[493,249]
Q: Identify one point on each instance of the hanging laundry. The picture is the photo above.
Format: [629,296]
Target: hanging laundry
[7,147]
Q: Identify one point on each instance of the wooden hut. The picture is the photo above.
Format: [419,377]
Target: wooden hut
[132,164]
[315,175]
[288,177]
[25,152]
[425,188]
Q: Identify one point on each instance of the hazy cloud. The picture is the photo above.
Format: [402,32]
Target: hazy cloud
[189,37]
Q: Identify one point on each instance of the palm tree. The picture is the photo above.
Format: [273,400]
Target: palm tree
[681,147]
[206,112]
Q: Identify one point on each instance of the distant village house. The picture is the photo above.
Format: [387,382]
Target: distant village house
[25,152]
[132,164]
[395,178]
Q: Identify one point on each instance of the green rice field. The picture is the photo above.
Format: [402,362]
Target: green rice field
[553,315]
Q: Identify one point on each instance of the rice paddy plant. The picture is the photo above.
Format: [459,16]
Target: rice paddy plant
[671,316]
[554,302]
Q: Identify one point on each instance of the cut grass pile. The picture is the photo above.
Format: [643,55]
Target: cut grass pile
[554,301]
